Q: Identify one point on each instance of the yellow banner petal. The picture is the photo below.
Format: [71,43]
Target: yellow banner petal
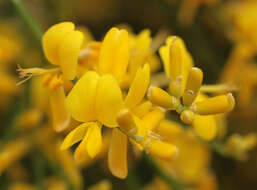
[69,52]
[81,100]
[108,100]
[52,39]
[114,53]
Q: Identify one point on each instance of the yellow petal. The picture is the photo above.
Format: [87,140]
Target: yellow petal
[126,122]
[193,85]
[81,100]
[108,100]
[205,126]
[117,156]
[162,98]
[69,52]
[52,39]
[164,53]
[114,53]
[142,109]
[215,105]
[75,135]
[169,130]
[140,51]
[138,87]
[94,140]
[176,59]
[81,151]
[160,149]
[150,121]
[61,117]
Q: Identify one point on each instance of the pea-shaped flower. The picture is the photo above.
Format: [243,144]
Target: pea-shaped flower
[61,45]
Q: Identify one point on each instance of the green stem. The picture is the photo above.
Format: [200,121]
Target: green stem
[28,19]
[173,183]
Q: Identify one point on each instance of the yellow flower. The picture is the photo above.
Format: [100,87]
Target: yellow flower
[96,101]
[138,127]
[184,86]
[61,45]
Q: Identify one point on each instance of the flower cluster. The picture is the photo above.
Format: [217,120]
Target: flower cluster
[107,83]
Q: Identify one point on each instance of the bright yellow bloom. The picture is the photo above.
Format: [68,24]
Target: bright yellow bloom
[184,86]
[61,45]
[94,100]
[95,97]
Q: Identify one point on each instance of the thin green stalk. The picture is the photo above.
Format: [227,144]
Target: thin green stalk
[28,19]
[173,183]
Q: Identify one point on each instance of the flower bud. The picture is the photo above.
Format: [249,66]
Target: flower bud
[187,116]
[215,105]
[194,83]
[161,98]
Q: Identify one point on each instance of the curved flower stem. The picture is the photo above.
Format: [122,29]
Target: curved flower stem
[173,183]
[28,19]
